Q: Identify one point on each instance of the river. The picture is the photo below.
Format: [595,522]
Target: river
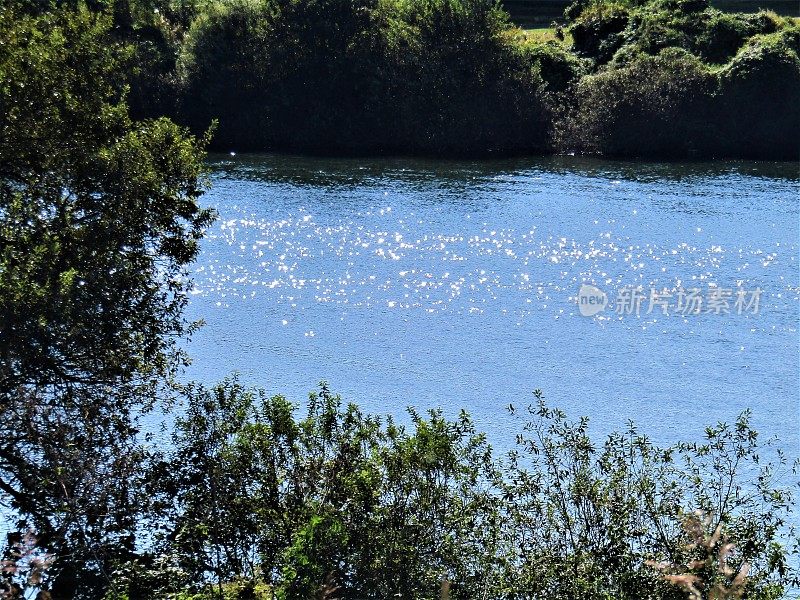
[455,284]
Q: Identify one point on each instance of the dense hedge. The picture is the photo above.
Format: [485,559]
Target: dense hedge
[674,105]
[665,78]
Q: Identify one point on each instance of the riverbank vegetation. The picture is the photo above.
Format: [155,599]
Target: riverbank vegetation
[650,78]
[454,77]
[100,216]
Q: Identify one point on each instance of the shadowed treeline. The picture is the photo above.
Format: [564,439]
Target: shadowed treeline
[634,78]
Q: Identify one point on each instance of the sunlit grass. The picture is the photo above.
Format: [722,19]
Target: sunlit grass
[545,34]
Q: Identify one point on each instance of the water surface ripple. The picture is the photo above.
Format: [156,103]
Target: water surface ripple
[453,284]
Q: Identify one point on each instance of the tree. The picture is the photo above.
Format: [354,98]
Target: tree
[99,217]
[251,492]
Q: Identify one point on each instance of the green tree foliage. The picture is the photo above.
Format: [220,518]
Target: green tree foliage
[678,79]
[255,497]
[98,218]
[600,28]
[453,77]
[337,496]
[433,76]
[597,30]
[586,518]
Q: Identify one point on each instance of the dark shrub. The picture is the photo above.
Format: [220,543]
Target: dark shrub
[554,65]
[596,33]
[265,68]
[759,99]
[656,106]
[449,77]
[153,86]
[651,31]
[790,37]
[724,34]
[625,56]
[677,8]
[434,76]
[602,29]
[712,35]
[220,67]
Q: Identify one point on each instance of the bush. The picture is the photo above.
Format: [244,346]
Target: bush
[453,80]
[712,35]
[602,28]
[252,491]
[228,59]
[435,76]
[255,498]
[653,95]
[597,31]
[556,67]
[588,519]
[759,95]
[655,106]
[724,34]
[153,87]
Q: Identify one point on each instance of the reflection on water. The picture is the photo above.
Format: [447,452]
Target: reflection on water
[324,171]
[437,283]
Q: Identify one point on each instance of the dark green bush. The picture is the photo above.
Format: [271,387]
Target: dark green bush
[712,35]
[651,30]
[601,28]
[759,95]
[452,79]
[654,95]
[724,34]
[556,67]
[153,88]
[584,516]
[227,62]
[435,76]
[597,31]
[655,106]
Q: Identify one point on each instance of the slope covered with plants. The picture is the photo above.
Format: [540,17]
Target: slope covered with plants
[659,78]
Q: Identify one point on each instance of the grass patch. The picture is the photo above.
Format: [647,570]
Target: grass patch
[545,34]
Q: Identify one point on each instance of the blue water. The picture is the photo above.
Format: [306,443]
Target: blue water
[453,284]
